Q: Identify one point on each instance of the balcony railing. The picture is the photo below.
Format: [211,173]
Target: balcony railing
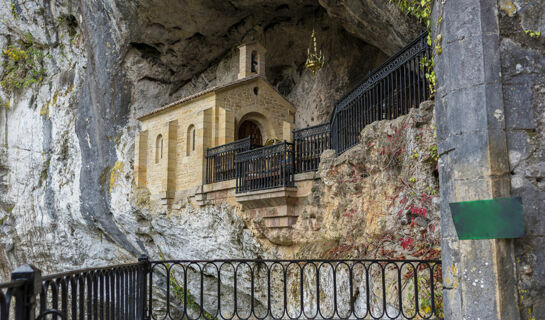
[220,160]
[309,145]
[265,168]
[386,93]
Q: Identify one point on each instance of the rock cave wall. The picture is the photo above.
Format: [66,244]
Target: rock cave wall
[66,186]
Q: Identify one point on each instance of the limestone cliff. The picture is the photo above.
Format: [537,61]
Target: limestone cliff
[66,184]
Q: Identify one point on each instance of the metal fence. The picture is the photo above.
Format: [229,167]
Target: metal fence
[309,144]
[265,168]
[386,93]
[220,160]
[229,289]
[115,292]
[295,289]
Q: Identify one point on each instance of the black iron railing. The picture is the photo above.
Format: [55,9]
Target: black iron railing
[220,160]
[229,289]
[116,292]
[295,289]
[386,93]
[309,144]
[265,168]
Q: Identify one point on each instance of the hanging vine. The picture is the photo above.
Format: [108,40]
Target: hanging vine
[421,10]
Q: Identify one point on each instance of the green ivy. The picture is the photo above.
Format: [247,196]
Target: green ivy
[533,34]
[23,66]
[421,10]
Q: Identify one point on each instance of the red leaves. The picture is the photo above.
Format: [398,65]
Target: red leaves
[404,200]
[405,243]
[419,211]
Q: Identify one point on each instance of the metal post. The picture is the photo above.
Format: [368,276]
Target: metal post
[25,297]
[143,271]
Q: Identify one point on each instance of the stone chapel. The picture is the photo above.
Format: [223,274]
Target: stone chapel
[171,146]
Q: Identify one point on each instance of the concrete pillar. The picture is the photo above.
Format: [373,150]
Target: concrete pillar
[478,274]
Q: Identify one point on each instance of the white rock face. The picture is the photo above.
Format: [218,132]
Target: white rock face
[67,198]
[67,143]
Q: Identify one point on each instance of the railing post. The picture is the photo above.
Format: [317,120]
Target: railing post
[25,297]
[143,271]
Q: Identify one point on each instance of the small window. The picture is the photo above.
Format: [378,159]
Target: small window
[256,90]
[254,62]
[159,148]
[193,143]
[191,140]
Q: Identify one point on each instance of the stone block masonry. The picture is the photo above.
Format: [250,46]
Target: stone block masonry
[172,144]
[490,138]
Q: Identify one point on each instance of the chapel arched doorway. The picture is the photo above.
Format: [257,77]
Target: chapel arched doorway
[249,128]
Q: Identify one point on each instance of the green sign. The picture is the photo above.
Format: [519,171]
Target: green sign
[488,219]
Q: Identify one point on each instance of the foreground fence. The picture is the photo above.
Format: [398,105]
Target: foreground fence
[229,289]
[116,292]
[295,289]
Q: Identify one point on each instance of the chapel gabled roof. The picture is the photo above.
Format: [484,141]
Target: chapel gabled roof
[210,90]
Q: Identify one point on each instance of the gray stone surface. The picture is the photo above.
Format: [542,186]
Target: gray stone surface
[523,80]
[66,146]
[491,71]
[474,161]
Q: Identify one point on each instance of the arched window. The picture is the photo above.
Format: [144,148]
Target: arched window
[159,148]
[191,139]
[254,61]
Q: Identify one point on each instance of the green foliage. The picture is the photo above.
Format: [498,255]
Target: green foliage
[421,9]
[533,34]
[23,66]
[13,10]
[4,104]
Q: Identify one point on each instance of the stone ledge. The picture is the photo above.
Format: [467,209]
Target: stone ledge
[268,197]
[218,186]
[312,175]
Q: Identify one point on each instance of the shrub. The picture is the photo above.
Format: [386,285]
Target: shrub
[23,66]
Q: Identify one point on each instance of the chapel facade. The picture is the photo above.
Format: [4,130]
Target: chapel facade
[171,146]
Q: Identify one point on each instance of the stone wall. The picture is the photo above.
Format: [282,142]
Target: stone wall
[379,199]
[490,130]
[258,101]
[183,167]
[215,117]
[523,81]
